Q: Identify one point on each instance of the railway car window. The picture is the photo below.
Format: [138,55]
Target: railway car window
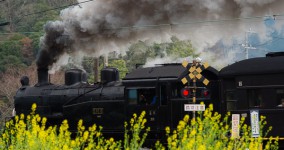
[132,96]
[280,98]
[231,101]
[255,98]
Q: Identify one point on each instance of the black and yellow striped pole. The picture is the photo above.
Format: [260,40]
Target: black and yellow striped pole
[194,64]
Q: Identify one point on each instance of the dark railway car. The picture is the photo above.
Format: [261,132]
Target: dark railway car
[256,83]
[112,102]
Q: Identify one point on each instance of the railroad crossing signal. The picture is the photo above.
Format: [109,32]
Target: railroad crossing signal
[194,72]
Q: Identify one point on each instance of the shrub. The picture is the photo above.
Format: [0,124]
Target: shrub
[132,136]
[31,133]
[208,132]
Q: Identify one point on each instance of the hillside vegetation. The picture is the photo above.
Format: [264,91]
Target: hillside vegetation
[21,26]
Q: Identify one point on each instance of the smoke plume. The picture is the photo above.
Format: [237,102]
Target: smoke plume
[100,26]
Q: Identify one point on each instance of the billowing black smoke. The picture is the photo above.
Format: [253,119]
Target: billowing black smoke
[52,45]
[98,26]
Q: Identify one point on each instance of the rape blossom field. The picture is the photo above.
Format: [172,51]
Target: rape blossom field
[208,131]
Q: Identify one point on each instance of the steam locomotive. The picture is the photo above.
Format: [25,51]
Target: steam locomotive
[246,85]
[112,102]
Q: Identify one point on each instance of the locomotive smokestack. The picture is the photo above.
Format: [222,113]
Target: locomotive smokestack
[42,74]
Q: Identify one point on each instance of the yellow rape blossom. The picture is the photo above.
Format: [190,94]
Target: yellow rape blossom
[209,130]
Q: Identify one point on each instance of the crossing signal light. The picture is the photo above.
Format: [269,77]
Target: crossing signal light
[205,93]
[185,92]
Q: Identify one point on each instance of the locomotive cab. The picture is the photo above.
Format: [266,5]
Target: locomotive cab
[157,90]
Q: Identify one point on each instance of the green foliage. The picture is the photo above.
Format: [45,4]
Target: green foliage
[9,61]
[88,66]
[134,137]
[37,22]
[35,37]
[179,48]
[120,64]
[24,22]
[10,52]
[139,52]
[136,54]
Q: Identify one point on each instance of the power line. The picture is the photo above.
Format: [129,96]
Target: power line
[256,18]
[265,43]
[7,33]
[60,7]
[253,18]
[269,41]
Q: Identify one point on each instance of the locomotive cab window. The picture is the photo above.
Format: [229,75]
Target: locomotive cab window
[132,96]
[142,96]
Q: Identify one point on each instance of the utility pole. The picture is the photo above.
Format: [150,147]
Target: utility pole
[248,46]
[96,69]
[105,60]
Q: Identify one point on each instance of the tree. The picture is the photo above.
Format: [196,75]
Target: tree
[136,54]
[139,52]
[10,83]
[120,64]
[27,50]
[11,51]
[26,15]
[179,48]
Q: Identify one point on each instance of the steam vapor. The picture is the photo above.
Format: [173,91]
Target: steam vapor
[101,26]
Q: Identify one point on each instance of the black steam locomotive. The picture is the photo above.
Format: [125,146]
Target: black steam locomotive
[255,83]
[112,102]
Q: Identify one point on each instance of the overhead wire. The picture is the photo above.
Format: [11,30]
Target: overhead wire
[8,33]
[55,8]
[250,19]
[159,26]
[274,39]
